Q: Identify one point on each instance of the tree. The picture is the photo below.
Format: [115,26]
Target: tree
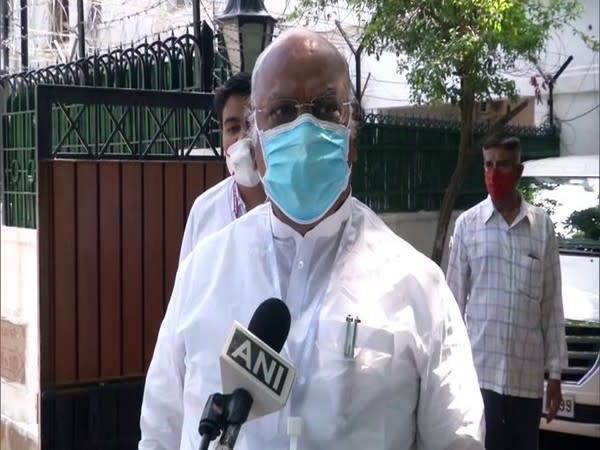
[455,51]
[529,192]
[585,223]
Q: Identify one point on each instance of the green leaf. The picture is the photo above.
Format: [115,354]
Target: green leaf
[481,40]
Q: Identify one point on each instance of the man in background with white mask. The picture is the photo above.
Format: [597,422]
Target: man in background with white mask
[242,191]
[407,381]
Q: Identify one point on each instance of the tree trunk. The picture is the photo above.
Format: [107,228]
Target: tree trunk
[458,177]
[466,154]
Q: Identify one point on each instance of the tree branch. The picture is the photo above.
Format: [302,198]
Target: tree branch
[499,125]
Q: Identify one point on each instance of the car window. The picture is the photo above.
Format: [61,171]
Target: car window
[573,205]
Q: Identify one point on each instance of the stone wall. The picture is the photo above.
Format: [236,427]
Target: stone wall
[19,364]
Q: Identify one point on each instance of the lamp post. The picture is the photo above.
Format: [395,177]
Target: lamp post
[247,28]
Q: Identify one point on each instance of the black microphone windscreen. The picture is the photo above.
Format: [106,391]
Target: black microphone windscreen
[271,323]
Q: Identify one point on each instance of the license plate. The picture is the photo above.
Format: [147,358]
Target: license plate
[566,408]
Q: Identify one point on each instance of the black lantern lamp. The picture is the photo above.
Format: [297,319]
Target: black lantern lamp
[247,28]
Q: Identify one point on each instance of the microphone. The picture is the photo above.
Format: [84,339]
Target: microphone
[256,380]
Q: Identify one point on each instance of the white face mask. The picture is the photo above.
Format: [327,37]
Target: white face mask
[241,164]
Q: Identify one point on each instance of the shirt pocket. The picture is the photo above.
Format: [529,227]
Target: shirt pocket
[349,391]
[529,277]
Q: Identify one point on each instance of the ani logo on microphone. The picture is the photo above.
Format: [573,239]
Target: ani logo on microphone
[248,353]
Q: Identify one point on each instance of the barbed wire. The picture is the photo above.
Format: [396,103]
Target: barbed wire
[583,78]
[211,16]
[579,116]
[12,9]
[333,33]
[138,13]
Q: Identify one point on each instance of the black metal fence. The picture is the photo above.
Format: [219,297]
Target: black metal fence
[108,123]
[104,129]
[98,416]
[102,123]
[175,63]
[405,164]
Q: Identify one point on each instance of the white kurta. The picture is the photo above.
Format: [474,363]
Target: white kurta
[412,383]
[211,211]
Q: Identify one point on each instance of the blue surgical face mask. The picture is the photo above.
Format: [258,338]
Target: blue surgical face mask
[307,166]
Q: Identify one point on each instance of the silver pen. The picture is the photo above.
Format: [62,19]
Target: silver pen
[354,334]
[348,351]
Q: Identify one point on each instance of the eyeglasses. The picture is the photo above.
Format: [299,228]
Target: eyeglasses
[286,110]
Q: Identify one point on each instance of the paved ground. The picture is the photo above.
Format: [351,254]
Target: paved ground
[559,441]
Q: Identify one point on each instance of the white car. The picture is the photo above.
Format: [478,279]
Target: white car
[568,188]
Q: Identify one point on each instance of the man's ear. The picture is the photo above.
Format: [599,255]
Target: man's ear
[356,110]
[520,168]
[353,150]
[354,136]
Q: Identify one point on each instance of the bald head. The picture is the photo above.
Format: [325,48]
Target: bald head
[302,73]
[312,57]
[305,68]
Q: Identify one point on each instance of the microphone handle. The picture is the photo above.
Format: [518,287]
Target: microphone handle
[205,442]
[240,403]
[229,437]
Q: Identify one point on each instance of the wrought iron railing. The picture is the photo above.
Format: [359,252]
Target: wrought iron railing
[78,122]
[405,163]
[106,123]
[451,125]
[177,63]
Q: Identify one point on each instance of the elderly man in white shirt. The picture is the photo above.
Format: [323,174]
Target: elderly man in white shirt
[237,194]
[504,271]
[410,384]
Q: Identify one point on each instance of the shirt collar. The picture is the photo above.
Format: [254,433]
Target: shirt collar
[331,226]
[487,211]
[238,206]
[527,210]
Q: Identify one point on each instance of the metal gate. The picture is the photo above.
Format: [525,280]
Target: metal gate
[118,171]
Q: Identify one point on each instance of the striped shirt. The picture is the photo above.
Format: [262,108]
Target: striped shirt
[506,280]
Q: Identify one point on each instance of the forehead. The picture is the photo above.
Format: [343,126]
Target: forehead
[499,154]
[235,106]
[301,75]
